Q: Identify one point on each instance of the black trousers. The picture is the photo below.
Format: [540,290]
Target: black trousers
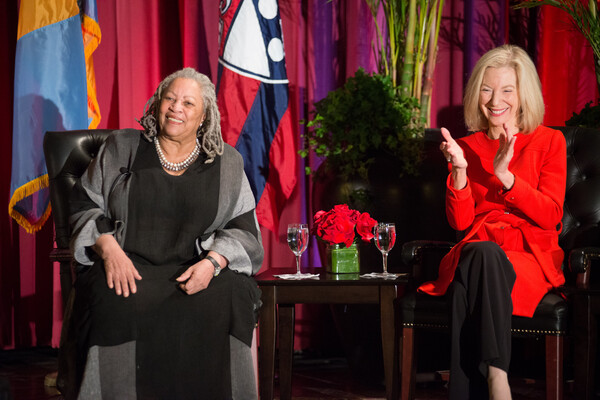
[481,310]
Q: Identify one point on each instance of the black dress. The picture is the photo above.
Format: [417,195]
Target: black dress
[181,341]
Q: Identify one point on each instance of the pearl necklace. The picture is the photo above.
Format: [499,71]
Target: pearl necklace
[175,167]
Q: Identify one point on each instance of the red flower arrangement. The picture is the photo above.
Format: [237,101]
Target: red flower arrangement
[340,225]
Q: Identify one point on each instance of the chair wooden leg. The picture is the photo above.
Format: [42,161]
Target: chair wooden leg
[585,336]
[408,369]
[554,367]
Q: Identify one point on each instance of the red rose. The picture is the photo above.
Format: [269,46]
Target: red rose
[317,220]
[337,228]
[343,209]
[340,224]
[365,225]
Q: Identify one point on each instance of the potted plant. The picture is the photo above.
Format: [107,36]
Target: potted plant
[363,119]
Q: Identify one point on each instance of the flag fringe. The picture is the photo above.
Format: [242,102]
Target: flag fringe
[92,36]
[20,193]
[93,107]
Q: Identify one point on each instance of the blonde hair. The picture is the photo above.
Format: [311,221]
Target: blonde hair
[531,111]
[209,132]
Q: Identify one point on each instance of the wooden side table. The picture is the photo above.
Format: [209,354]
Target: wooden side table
[325,290]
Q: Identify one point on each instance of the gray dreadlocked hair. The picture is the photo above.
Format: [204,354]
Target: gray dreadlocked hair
[209,133]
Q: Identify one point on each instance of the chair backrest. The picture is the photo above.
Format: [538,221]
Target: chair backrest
[68,154]
[581,219]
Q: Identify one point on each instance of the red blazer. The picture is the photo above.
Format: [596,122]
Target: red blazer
[524,221]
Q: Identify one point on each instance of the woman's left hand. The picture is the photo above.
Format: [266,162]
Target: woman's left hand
[503,156]
[197,277]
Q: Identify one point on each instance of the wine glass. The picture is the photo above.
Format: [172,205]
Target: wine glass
[297,238]
[385,238]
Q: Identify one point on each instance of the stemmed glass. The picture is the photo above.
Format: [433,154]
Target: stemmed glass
[385,238]
[297,238]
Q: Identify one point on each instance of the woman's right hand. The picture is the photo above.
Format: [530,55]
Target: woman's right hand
[454,154]
[120,272]
[452,151]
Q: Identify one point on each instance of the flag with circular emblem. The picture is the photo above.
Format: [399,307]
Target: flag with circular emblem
[253,98]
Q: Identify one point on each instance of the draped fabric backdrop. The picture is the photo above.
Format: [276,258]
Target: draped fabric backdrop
[325,42]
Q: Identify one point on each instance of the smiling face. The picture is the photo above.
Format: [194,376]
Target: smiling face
[181,110]
[499,99]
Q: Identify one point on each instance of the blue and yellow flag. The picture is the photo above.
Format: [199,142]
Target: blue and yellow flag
[91,39]
[50,93]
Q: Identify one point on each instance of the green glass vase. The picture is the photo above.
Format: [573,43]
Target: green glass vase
[342,260]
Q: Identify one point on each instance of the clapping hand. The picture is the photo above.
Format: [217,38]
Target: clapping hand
[505,151]
[452,151]
[503,156]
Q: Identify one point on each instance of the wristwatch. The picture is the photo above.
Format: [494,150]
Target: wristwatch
[215,264]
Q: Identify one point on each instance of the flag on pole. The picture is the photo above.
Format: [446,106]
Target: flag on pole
[253,99]
[91,39]
[50,93]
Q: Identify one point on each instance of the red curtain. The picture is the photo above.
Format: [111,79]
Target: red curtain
[144,40]
[565,66]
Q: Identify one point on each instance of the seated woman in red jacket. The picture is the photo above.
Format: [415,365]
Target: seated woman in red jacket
[505,190]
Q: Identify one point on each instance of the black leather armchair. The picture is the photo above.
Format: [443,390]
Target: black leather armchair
[580,239]
[68,155]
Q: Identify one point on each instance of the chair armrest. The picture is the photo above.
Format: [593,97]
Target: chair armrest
[61,255]
[424,256]
[580,262]
[412,252]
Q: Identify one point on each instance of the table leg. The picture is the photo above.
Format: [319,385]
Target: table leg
[387,294]
[266,350]
[286,349]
